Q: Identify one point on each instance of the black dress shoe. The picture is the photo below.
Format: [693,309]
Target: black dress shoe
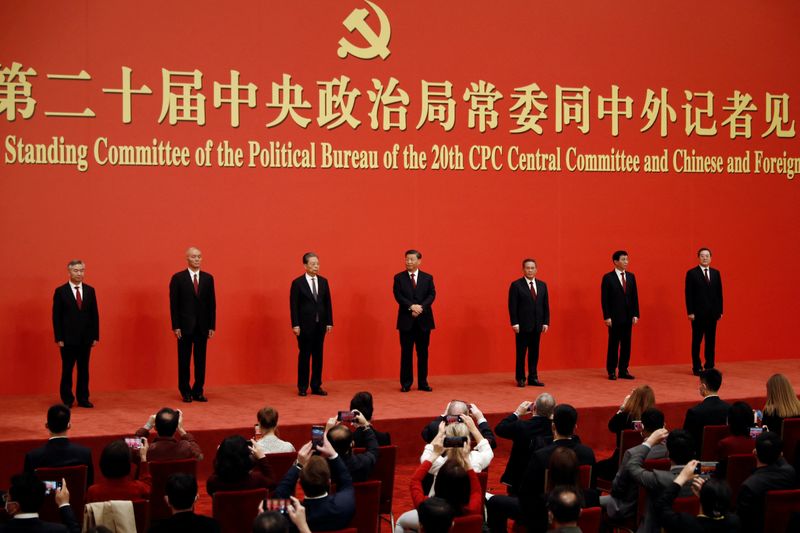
[536,383]
[612,377]
[425,388]
[186,398]
[695,372]
[319,392]
[404,389]
[302,393]
[520,383]
[86,403]
[626,375]
[200,398]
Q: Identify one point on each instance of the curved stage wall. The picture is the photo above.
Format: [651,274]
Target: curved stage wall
[688,111]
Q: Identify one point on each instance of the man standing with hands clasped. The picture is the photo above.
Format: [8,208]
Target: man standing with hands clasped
[529,311]
[704,307]
[619,298]
[193,310]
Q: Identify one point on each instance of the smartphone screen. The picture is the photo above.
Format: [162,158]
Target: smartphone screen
[755,432]
[317,434]
[134,443]
[637,425]
[51,486]
[452,419]
[345,416]
[705,468]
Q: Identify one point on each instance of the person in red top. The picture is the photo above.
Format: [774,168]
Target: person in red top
[239,465]
[115,464]
[166,447]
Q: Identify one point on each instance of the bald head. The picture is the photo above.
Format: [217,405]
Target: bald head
[194,257]
[545,403]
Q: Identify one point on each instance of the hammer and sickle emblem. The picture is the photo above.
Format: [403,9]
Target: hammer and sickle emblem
[356,20]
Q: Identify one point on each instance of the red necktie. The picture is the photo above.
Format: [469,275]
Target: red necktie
[708,279]
[533,291]
[196,285]
[624,283]
[78,298]
[413,281]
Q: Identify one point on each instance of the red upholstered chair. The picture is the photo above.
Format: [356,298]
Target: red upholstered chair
[711,437]
[590,519]
[384,472]
[584,478]
[649,464]
[160,472]
[235,510]
[627,440]
[791,436]
[778,508]
[483,478]
[739,468]
[472,523]
[75,477]
[280,463]
[687,504]
[368,502]
[141,512]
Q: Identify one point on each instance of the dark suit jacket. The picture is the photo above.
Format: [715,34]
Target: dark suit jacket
[192,312]
[432,429]
[71,325]
[187,522]
[532,482]
[36,525]
[687,523]
[406,295]
[522,310]
[712,411]
[360,438]
[360,465]
[750,503]
[304,309]
[618,305]
[523,434]
[703,299]
[60,452]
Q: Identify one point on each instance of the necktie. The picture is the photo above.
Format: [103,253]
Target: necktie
[533,290]
[314,287]
[624,283]
[708,279]
[78,298]
[413,281]
[196,285]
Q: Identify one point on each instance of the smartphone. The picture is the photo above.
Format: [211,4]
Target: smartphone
[51,486]
[134,443]
[637,425]
[454,442]
[705,468]
[755,432]
[758,416]
[452,419]
[345,416]
[317,434]
[257,431]
[276,505]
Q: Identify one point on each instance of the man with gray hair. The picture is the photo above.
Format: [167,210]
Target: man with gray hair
[76,327]
[460,408]
[525,433]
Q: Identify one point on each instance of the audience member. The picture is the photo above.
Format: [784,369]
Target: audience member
[772,473]
[165,447]
[362,402]
[621,503]
[59,450]
[23,501]
[115,465]
[435,515]
[239,465]
[740,420]
[637,402]
[181,495]
[523,432]
[781,403]
[715,505]
[460,408]
[712,411]
[477,458]
[324,511]
[564,509]
[269,441]
[341,438]
[272,522]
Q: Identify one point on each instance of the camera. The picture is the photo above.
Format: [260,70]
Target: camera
[51,486]
[452,419]
[454,442]
[346,416]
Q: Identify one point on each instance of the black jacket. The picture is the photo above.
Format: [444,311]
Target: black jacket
[59,452]
[523,434]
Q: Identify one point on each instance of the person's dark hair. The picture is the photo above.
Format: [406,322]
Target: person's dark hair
[362,402]
[528,260]
[715,498]
[268,417]
[233,460]
[769,447]
[563,467]
[307,257]
[616,255]
[652,419]
[341,438]
[703,249]
[452,484]
[740,419]
[28,491]
[435,515]
[415,252]
[115,460]
[58,418]
[712,378]
[565,504]
[680,446]
[271,522]
[166,422]
[565,417]
[315,478]
[181,491]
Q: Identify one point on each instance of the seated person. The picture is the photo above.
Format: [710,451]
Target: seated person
[59,450]
[712,411]
[435,515]
[563,509]
[740,420]
[477,458]
[23,501]
[181,495]
[460,408]
[165,447]
[362,402]
[239,465]
[269,441]
[115,465]
[359,465]
[637,402]
[781,403]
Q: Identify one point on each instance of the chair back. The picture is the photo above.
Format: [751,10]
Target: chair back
[649,464]
[384,472]
[159,473]
[627,440]
[739,468]
[280,463]
[75,477]
[584,478]
[590,519]
[483,479]
[687,504]
[791,436]
[368,502]
[778,508]
[141,513]
[471,523]
[711,437]
[236,510]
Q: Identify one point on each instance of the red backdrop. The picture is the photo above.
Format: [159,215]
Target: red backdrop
[131,224]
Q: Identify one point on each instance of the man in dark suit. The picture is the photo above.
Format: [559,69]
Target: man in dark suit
[181,495]
[193,311]
[529,311]
[76,325]
[414,292]
[360,465]
[59,450]
[619,299]
[704,307]
[23,501]
[712,411]
[312,318]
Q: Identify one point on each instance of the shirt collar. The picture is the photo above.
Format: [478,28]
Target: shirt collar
[192,273]
[23,516]
[309,277]
[619,272]
[74,285]
[317,497]
[414,273]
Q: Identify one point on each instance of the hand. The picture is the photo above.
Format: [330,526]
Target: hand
[657,437]
[151,422]
[257,452]
[697,485]
[625,402]
[608,322]
[60,343]
[332,421]
[691,317]
[177,333]
[297,514]
[62,494]
[635,320]
[328,329]
[416,308]
[438,445]
[359,419]
[475,412]
[473,429]
[326,450]
[687,474]
[545,327]
[414,314]
[522,409]
[515,327]
[296,331]
[94,343]
[304,454]
[210,333]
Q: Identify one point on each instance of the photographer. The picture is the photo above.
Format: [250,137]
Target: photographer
[239,465]
[341,438]
[25,498]
[166,447]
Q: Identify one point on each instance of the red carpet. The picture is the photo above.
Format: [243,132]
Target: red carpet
[232,410]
